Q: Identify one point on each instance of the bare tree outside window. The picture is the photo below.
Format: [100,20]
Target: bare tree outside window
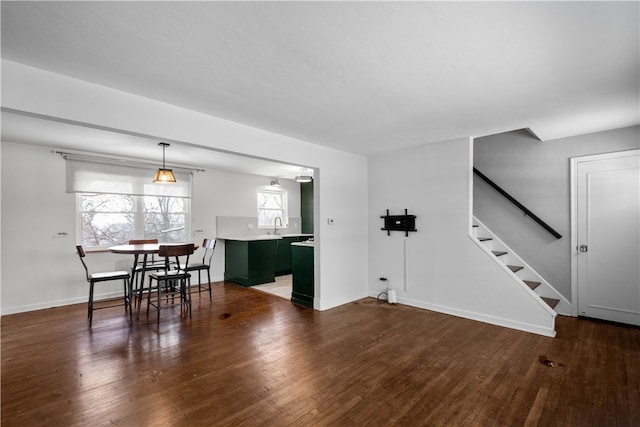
[271,205]
[112,219]
[164,219]
[107,219]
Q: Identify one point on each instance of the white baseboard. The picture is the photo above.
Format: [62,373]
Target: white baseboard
[57,303]
[76,300]
[548,331]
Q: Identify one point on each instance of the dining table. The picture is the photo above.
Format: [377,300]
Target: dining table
[144,249]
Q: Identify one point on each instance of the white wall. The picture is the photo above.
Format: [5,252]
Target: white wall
[339,187]
[537,174]
[231,194]
[0,223]
[40,268]
[443,269]
[224,193]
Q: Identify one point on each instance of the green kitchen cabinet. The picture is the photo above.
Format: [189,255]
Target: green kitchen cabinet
[303,274]
[306,206]
[251,262]
[283,246]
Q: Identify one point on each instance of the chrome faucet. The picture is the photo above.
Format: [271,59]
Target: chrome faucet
[275,224]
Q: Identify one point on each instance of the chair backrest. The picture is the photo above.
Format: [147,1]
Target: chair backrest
[142,241]
[81,254]
[209,246]
[169,251]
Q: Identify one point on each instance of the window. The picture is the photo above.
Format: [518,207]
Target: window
[165,218]
[106,219]
[271,205]
[118,203]
[112,219]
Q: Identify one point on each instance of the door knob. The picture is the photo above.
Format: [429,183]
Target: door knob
[584,248]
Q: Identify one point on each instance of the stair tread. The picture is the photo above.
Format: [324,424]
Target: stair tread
[531,284]
[551,302]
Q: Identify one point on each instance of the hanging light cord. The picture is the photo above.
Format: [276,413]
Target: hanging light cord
[164,145]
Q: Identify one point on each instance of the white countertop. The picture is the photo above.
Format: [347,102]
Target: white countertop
[251,238]
[307,243]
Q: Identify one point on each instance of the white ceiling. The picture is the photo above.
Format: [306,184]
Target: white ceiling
[364,77]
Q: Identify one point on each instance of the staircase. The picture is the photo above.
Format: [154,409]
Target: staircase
[520,271]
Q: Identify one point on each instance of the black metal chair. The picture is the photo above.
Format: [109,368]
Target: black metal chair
[137,285]
[151,264]
[170,282]
[107,276]
[209,246]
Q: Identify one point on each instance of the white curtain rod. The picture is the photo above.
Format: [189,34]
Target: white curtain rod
[119,160]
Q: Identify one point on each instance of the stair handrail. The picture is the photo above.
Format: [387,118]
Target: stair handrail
[519,205]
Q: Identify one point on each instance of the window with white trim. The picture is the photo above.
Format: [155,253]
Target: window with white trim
[112,219]
[272,204]
[119,203]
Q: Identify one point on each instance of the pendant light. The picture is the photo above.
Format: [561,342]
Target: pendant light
[304,176]
[164,175]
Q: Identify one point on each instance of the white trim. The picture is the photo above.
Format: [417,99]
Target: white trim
[573,168]
[480,317]
[470,180]
[515,277]
[59,303]
[83,299]
[284,198]
[564,305]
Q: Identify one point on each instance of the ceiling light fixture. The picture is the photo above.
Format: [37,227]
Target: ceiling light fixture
[275,182]
[304,176]
[164,175]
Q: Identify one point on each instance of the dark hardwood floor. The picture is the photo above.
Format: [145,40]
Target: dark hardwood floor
[249,358]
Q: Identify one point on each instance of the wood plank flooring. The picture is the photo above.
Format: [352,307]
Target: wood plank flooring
[249,358]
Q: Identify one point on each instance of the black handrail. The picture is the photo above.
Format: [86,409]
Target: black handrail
[520,206]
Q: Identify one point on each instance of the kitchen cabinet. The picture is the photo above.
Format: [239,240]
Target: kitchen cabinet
[303,273]
[283,248]
[253,260]
[250,262]
[306,206]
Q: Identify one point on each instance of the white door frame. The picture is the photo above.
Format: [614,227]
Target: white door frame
[574,215]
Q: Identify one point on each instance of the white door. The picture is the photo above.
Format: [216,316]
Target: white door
[608,240]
